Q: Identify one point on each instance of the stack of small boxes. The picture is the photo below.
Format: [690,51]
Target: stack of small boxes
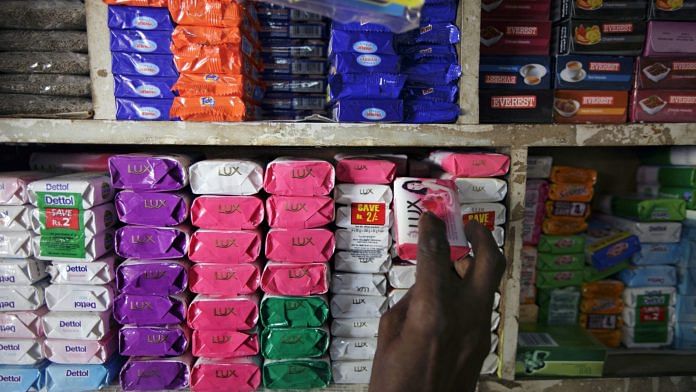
[685,331]
[601,310]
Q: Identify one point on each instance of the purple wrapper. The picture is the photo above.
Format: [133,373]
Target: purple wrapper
[136,64]
[149,173]
[354,39]
[440,33]
[377,110]
[445,93]
[152,277]
[137,41]
[425,112]
[149,310]
[151,208]
[156,374]
[154,243]
[418,52]
[360,63]
[141,109]
[153,341]
[140,18]
[439,12]
[432,72]
[143,87]
[365,86]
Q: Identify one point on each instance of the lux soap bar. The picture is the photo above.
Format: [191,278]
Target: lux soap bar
[227,212]
[670,39]
[292,343]
[15,218]
[351,349]
[83,352]
[487,214]
[293,312]
[144,172]
[660,232]
[21,271]
[156,374]
[363,193]
[300,245]
[78,190]
[79,298]
[365,171]
[299,212]
[402,276]
[239,313]
[71,378]
[162,277]
[224,344]
[77,325]
[295,279]
[152,242]
[23,298]
[140,18]
[297,373]
[471,164]
[152,209]
[355,328]
[231,374]
[359,284]
[147,310]
[364,214]
[351,372]
[363,238]
[16,244]
[299,177]
[21,351]
[649,275]
[14,186]
[23,378]
[99,271]
[363,261]
[22,324]
[358,306]
[225,247]
[226,177]
[396,295]
[479,190]
[661,254]
[70,247]
[222,279]
[153,341]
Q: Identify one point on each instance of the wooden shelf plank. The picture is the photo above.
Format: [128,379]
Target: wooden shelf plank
[637,384]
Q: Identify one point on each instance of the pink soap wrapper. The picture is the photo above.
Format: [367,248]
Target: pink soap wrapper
[83,352]
[166,341]
[226,177]
[474,164]
[149,173]
[300,245]
[14,186]
[22,325]
[299,177]
[224,344]
[229,375]
[224,279]
[146,310]
[227,313]
[152,208]
[295,279]
[73,162]
[227,212]
[153,243]
[365,170]
[225,246]
[299,212]
[413,197]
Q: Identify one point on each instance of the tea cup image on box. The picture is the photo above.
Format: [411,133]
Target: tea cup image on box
[514,72]
[593,72]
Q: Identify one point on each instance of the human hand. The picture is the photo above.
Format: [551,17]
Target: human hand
[437,336]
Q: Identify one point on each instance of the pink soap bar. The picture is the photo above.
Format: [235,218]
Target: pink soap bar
[300,245]
[84,352]
[365,171]
[299,177]
[299,212]
[228,247]
[474,164]
[22,325]
[224,279]
[295,279]
[227,212]
[215,313]
[229,375]
[224,344]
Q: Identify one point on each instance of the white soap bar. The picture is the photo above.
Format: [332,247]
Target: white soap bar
[21,271]
[94,247]
[494,343]
[23,298]
[363,238]
[357,306]
[490,364]
[22,324]
[631,315]
[355,327]
[359,284]
[226,177]
[79,298]
[77,190]
[479,190]
[395,295]
[100,271]
[90,222]
[495,320]
[656,296]
[16,244]
[648,232]
[402,276]
[14,186]
[365,214]
[347,349]
[376,261]
[15,218]
[77,325]
[351,372]
[539,166]
[488,214]
[499,235]
[363,193]
[82,352]
[628,339]
[21,351]
[496,300]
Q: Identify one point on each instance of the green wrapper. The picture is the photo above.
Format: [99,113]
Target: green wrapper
[559,306]
[677,176]
[294,312]
[682,193]
[649,210]
[651,333]
[292,343]
[561,245]
[556,279]
[593,275]
[552,262]
[296,374]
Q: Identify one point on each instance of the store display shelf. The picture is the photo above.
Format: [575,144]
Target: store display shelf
[635,384]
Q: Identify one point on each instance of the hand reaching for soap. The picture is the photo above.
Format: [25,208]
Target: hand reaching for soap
[437,336]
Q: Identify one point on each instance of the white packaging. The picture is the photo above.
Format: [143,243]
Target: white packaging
[653,295]
[648,232]
[351,372]
[21,324]
[628,339]
[21,271]
[81,352]
[631,314]
[94,220]
[352,349]
[77,325]
[362,193]
[77,190]
[377,214]
[496,300]
[490,364]
[377,261]
[79,298]
[16,244]
[355,327]
[539,166]
[488,214]
[357,306]
[494,343]
[15,218]
[395,295]
[99,271]
[95,247]
[495,320]
[363,238]
[402,276]
[14,186]
[499,235]
[479,190]
[21,351]
[648,175]
[237,177]
[23,298]
[358,284]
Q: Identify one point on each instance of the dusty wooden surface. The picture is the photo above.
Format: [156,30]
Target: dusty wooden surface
[100,60]
[469,22]
[637,384]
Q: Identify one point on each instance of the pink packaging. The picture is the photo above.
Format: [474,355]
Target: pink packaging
[473,164]
[300,245]
[531,232]
[229,375]
[84,352]
[295,279]
[224,344]
[224,279]
[22,325]
[672,39]
[365,170]
[299,177]
[413,197]
[215,313]
[299,212]
[663,106]
[227,212]
[226,247]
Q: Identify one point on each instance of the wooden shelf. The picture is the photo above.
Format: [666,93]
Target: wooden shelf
[635,384]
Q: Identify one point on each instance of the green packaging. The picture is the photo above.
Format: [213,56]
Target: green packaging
[554,279]
[292,343]
[592,274]
[561,245]
[559,306]
[293,312]
[677,176]
[682,193]
[649,209]
[296,374]
[552,262]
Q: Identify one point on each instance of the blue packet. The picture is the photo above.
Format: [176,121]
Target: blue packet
[660,254]
[369,110]
[429,51]
[294,84]
[432,72]
[291,66]
[365,86]
[21,378]
[135,64]
[685,335]
[360,63]
[443,93]
[293,48]
[444,11]
[289,101]
[686,308]
[273,29]
[139,18]
[687,280]
[136,41]
[440,33]
[141,109]
[515,72]
[573,72]
[649,275]
[606,246]
[430,112]
[75,378]
[362,39]
[143,87]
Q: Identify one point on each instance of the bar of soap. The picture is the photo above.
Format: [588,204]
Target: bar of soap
[365,170]
[226,177]
[300,245]
[363,261]
[15,218]
[480,190]
[359,284]
[62,247]
[152,209]
[224,344]
[155,374]
[351,372]
[358,306]
[364,214]
[227,212]
[23,298]
[79,298]
[154,243]
[363,237]
[299,177]
[660,254]
[77,325]
[239,313]
[144,172]
[295,279]
[225,247]
[294,343]
[14,186]
[363,193]
[351,349]
[298,212]
[152,277]
[22,271]
[230,374]
[649,275]
[72,377]
[293,312]
[221,279]
[149,310]
[81,191]
[16,244]
[355,328]
[487,214]
[154,341]
[84,352]
[471,165]
[402,276]
[97,272]
[140,18]
[296,373]
[22,352]
[22,324]
[23,377]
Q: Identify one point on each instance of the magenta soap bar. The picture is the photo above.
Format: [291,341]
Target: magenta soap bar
[224,344]
[227,212]
[299,177]
[300,245]
[225,246]
[475,164]
[299,212]
[229,375]
[156,243]
[225,279]
[154,341]
[226,313]
[295,279]
[358,170]
[152,208]
[163,277]
[150,173]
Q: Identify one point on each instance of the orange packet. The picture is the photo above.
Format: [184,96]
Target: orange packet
[608,337]
[563,226]
[138,3]
[580,192]
[218,13]
[196,85]
[219,59]
[573,175]
[603,288]
[568,210]
[601,305]
[209,108]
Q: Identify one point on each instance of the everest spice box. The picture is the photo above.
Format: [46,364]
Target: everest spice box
[670,39]
[501,37]
[672,10]
[514,9]
[599,37]
[579,107]
[505,106]
[663,106]
[665,73]
[515,72]
[599,9]
[593,72]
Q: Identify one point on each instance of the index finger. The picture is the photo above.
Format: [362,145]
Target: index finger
[433,257]
[489,264]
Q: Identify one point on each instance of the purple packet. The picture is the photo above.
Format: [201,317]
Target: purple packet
[137,41]
[165,277]
[289,101]
[342,63]
[294,48]
[155,243]
[432,33]
[369,110]
[152,208]
[432,72]
[136,64]
[143,87]
[365,86]
[149,173]
[149,310]
[444,11]
[142,109]
[290,84]
[156,374]
[427,112]
[361,39]
[167,341]
[444,93]
[139,18]
[419,52]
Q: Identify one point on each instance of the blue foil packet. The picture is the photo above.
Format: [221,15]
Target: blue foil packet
[361,39]
[274,29]
[140,18]
[649,275]
[289,101]
[444,93]
[135,64]
[686,309]
[143,109]
[75,378]
[574,72]
[515,72]
[136,41]
[684,335]
[661,254]
[365,86]
[143,87]
[442,11]
[430,112]
[292,66]
[440,33]
[369,110]
[360,63]
[21,378]
[427,51]
[432,72]
[294,84]
[294,48]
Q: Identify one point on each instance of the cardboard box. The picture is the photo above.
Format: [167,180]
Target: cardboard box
[509,37]
[674,10]
[676,106]
[576,36]
[512,9]
[506,106]
[599,9]
[599,107]
[670,39]
[665,73]
[515,72]
[574,72]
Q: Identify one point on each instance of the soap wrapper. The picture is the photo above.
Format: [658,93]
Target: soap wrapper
[227,212]
[150,310]
[152,209]
[239,313]
[155,374]
[79,298]
[143,87]
[230,374]
[81,191]
[347,63]
[355,328]
[358,284]
[480,190]
[140,18]
[487,214]
[155,243]
[297,373]
[143,277]
[396,295]
[16,218]
[23,298]
[21,271]
[17,245]
[100,271]
[295,279]
[658,232]
[661,254]
[299,177]
[224,344]
[60,377]
[294,343]
[358,306]
[363,237]
[300,245]
[83,352]
[351,372]
[22,352]
[402,276]
[224,279]
[365,86]
[14,186]
[22,324]
[143,109]
[226,177]
[138,64]
[140,41]
[647,316]
[225,247]
[352,349]
[357,38]
[348,194]
[368,261]
[64,246]
[77,325]
[471,165]
[365,170]
[607,246]
[364,214]
[650,296]
[154,341]
[294,312]
[23,377]
[649,275]
[299,212]
[145,172]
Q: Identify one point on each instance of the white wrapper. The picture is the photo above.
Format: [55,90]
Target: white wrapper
[363,238]
[77,325]
[357,306]
[496,300]
[648,232]
[95,220]
[14,186]
[21,272]
[491,214]
[21,324]
[17,244]
[495,320]
[362,193]
[499,235]
[83,352]
[539,166]
[351,372]
[21,351]
[95,247]
[395,295]
[94,188]
[226,177]
[366,262]
[344,217]
[479,190]
[23,297]
[355,327]
[648,175]
[352,349]
[402,276]
[358,284]
[494,342]
[490,364]
[628,339]
[15,218]
[74,272]
[79,298]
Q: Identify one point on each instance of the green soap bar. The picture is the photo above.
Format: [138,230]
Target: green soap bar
[293,312]
[558,317]
[677,176]
[296,374]
[567,297]
[683,193]
[648,209]
[593,275]
[291,343]
[553,279]
[561,245]
[552,262]
[650,333]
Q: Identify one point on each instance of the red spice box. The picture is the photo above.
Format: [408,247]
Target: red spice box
[515,106]
[580,107]
[666,73]
[505,37]
[663,106]
[516,9]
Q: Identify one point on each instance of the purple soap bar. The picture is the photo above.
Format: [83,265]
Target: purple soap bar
[136,64]
[361,39]
[140,18]
[137,41]
[431,33]
[153,341]
[149,173]
[152,208]
[432,72]
[365,86]
[342,63]
[143,87]
[369,110]
[149,310]
[427,112]
[443,93]
[156,374]
[155,243]
[427,51]
[136,109]
[164,277]
[445,11]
